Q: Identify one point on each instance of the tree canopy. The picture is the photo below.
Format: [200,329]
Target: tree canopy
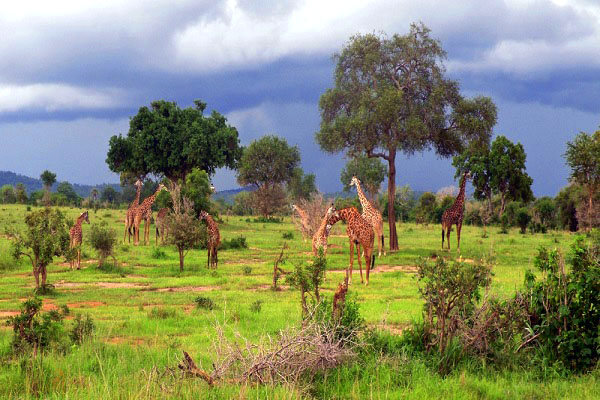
[391,95]
[166,140]
[302,186]
[268,161]
[583,157]
[497,169]
[48,178]
[370,171]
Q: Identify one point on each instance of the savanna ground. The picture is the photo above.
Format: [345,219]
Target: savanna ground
[145,315]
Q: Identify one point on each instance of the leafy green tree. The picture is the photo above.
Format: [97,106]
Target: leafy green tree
[242,204]
[185,230]
[390,96]
[103,239]
[7,194]
[66,189]
[566,203]
[301,186]
[426,208]
[48,179]
[21,193]
[268,163]
[497,169]
[583,157]
[523,218]
[109,195]
[370,171]
[166,140]
[545,211]
[197,189]
[46,236]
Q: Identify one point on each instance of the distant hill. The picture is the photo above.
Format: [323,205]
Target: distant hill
[228,195]
[33,184]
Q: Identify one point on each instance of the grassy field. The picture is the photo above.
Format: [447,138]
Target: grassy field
[146,315]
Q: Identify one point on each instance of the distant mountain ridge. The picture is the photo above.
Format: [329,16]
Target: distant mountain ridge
[33,184]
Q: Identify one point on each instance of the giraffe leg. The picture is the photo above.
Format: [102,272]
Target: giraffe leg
[360,262]
[351,261]
[458,228]
[208,257]
[78,257]
[448,235]
[443,233]
[368,258]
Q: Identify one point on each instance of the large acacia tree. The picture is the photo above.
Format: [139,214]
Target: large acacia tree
[391,95]
[166,140]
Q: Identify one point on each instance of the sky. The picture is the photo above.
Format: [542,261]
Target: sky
[72,73]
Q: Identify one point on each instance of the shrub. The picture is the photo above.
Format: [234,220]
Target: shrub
[523,219]
[247,270]
[83,329]
[263,220]
[256,306]
[162,313]
[103,239]
[205,303]
[36,332]
[288,235]
[234,243]
[308,279]
[504,224]
[158,254]
[563,307]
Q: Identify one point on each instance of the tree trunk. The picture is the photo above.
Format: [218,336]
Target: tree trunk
[181,260]
[590,207]
[43,268]
[36,275]
[502,204]
[391,199]
[489,198]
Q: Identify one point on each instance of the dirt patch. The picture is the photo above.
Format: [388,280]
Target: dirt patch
[411,269]
[243,261]
[6,314]
[110,285]
[82,304]
[121,339]
[395,329]
[267,287]
[333,246]
[48,305]
[186,289]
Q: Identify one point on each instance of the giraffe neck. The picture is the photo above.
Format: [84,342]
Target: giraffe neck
[79,221]
[342,215]
[210,222]
[364,202]
[323,224]
[460,199]
[301,212]
[136,201]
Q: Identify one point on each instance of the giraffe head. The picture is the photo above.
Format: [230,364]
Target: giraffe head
[85,216]
[355,181]
[161,187]
[138,184]
[293,207]
[331,211]
[203,215]
[213,189]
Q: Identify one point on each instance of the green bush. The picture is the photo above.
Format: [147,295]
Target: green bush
[103,239]
[205,303]
[162,313]
[288,235]
[564,305]
[256,306]
[247,270]
[523,219]
[158,254]
[234,243]
[34,331]
[83,329]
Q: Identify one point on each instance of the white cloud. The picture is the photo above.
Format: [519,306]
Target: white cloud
[52,97]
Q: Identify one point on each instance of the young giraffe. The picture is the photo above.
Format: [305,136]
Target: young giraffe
[160,223]
[454,214]
[371,214]
[360,232]
[214,239]
[76,236]
[130,215]
[303,219]
[142,212]
[320,237]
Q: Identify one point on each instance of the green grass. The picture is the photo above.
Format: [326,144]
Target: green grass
[145,313]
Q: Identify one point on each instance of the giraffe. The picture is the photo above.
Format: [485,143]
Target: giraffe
[144,211]
[360,232]
[214,239]
[129,216]
[454,214]
[320,237]
[303,220]
[160,222]
[76,236]
[371,214]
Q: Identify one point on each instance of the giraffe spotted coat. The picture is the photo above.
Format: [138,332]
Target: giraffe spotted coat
[143,212]
[454,214]
[76,237]
[371,214]
[214,239]
[360,233]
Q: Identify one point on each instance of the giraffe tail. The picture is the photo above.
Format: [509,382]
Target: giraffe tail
[373,261]
[157,233]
